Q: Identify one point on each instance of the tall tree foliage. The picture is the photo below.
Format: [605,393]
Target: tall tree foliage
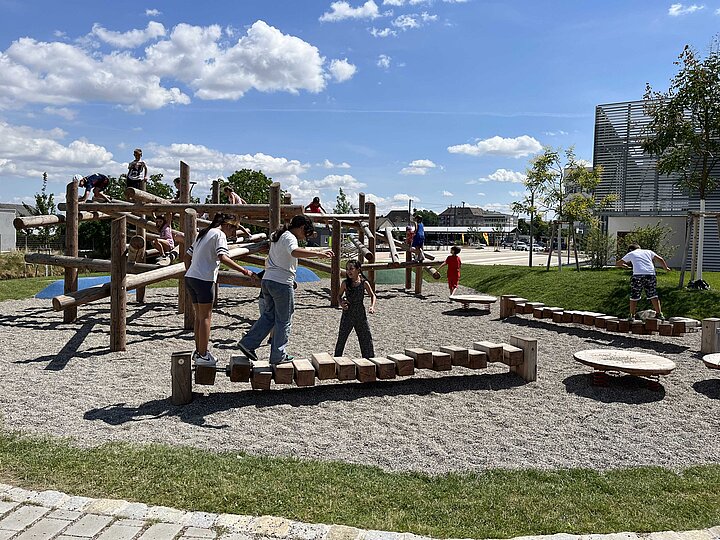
[430,218]
[44,205]
[342,204]
[253,186]
[684,130]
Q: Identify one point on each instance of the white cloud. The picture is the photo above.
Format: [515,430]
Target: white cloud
[152,12]
[480,194]
[717,11]
[130,39]
[64,112]
[423,163]
[516,193]
[263,59]
[396,3]
[384,61]
[327,164]
[385,32]
[503,175]
[406,22]
[447,194]
[418,167]
[342,70]
[518,147]
[426,17]
[555,133]
[342,10]
[679,9]
[418,171]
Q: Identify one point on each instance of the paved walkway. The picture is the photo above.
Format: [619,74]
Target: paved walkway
[45,515]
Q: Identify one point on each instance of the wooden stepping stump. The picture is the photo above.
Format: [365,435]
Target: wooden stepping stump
[538,312]
[665,329]
[365,370]
[710,338]
[512,356]
[458,355]
[712,361]
[530,307]
[423,358]
[678,328]
[528,368]
[304,372]
[578,317]
[627,361]
[476,359]
[404,364]
[205,375]
[623,326]
[557,316]
[547,312]
[384,366]
[612,325]
[516,300]
[441,361]
[589,318]
[261,376]
[638,327]
[652,325]
[284,373]
[601,322]
[566,317]
[181,377]
[324,365]
[344,368]
[493,351]
[240,368]
[519,308]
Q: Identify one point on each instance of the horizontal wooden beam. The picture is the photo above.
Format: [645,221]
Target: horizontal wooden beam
[252,211]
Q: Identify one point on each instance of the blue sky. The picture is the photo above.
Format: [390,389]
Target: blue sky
[436,101]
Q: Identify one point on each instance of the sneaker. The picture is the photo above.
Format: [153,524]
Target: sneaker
[204,361]
[163,261]
[660,316]
[247,352]
[632,317]
[288,358]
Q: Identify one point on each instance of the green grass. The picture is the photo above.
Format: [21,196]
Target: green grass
[496,503]
[604,291]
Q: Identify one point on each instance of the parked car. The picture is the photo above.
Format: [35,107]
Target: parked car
[539,247]
[520,246]
[507,243]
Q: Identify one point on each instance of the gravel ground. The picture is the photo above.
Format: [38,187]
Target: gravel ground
[61,379]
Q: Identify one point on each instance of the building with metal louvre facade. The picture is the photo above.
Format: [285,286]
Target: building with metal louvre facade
[645,197]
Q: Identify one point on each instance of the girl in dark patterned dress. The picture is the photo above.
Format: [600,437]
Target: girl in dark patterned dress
[354,316]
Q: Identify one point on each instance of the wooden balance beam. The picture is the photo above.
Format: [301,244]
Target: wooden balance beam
[520,355]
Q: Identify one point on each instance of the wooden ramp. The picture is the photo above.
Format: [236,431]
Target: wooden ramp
[520,355]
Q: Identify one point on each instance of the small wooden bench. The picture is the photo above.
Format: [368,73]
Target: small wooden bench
[712,361]
[604,361]
[467,299]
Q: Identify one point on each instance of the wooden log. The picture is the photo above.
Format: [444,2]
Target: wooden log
[408,249]
[458,355]
[418,280]
[335,265]
[422,357]
[391,244]
[385,368]
[665,329]
[262,374]
[344,368]
[304,372]
[71,247]
[181,378]
[275,208]
[190,232]
[476,359]
[205,375]
[324,365]
[365,370]
[528,369]
[284,373]
[433,272]
[240,368]
[250,211]
[49,220]
[364,252]
[512,355]
[118,285]
[710,337]
[391,266]
[441,361]
[493,351]
[371,210]
[405,365]
[367,227]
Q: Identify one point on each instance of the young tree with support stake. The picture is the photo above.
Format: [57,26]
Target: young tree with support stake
[684,131]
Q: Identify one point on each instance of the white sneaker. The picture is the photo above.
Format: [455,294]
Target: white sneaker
[204,361]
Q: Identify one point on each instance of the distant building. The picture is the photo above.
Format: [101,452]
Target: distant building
[8,235]
[644,197]
[473,216]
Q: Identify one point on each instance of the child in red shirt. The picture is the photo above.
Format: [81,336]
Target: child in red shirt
[453,272]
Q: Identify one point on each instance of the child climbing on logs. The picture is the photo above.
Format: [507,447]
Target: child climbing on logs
[418,241]
[354,287]
[97,182]
[165,243]
[453,263]
[202,263]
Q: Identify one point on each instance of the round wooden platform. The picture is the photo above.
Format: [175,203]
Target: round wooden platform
[631,362]
[467,299]
[712,361]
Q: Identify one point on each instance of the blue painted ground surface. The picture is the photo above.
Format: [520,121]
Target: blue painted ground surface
[56,288]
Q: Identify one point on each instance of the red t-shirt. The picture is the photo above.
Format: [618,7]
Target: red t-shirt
[314,208]
[453,266]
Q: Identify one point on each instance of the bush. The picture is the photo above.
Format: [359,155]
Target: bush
[653,237]
[600,246]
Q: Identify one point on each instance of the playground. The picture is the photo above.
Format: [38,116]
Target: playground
[62,380]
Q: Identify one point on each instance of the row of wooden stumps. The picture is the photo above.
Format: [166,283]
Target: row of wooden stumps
[513,305]
[520,355]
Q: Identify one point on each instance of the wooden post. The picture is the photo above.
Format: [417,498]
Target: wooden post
[274,215]
[391,244]
[118,290]
[215,195]
[184,197]
[141,231]
[190,231]
[71,246]
[361,210]
[181,376]
[372,242]
[693,256]
[507,308]
[552,240]
[528,369]
[710,336]
[683,264]
[418,279]
[335,264]
[408,271]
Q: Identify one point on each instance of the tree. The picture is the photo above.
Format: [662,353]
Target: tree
[44,205]
[684,128]
[342,204]
[430,218]
[253,186]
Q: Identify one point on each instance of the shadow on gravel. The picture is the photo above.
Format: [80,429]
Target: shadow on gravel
[709,388]
[470,312]
[623,389]
[204,405]
[600,337]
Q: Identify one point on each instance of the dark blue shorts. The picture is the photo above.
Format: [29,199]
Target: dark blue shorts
[648,282]
[200,291]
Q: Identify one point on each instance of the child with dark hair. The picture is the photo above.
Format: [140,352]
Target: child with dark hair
[277,289]
[166,242]
[453,264]
[202,264]
[642,262]
[354,287]
[137,171]
[97,183]
[418,241]
[315,207]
